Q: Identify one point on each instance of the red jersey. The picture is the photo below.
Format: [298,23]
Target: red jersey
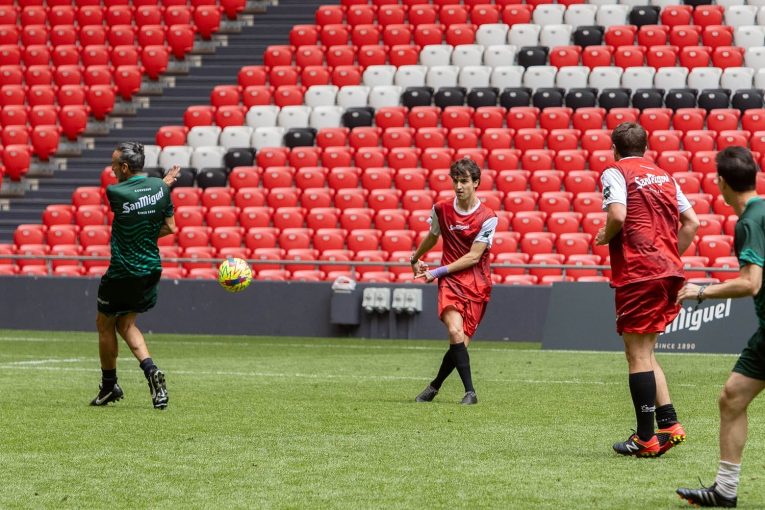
[459,231]
[646,247]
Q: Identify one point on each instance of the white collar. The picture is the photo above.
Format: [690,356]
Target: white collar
[466,213]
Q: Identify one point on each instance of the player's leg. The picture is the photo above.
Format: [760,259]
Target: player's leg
[738,393]
[642,382]
[454,323]
[670,432]
[448,364]
[109,390]
[128,330]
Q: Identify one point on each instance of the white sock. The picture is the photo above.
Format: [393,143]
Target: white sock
[727,479]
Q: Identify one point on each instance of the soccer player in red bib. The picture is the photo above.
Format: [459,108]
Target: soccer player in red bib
[464,280]
[645,206]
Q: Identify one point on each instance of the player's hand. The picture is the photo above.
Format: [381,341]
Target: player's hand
[419,267]
[426,275]
[600,238]
[690,291]
[172,175]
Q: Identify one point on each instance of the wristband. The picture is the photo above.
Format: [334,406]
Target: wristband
[439,272]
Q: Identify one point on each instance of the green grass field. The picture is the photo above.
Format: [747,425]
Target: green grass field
[306,423]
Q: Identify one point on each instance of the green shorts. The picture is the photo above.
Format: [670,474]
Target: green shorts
[120,296]
[751,363]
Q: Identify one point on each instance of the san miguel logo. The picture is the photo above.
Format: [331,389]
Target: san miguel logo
[692,320]
[458,227]
[650,180]
[142,202]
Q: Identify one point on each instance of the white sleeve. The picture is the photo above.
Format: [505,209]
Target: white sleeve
[435,228]
[486,235]
[682,201]
[614,187]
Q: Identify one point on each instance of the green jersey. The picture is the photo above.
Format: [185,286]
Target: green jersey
[140,205]
[750,245]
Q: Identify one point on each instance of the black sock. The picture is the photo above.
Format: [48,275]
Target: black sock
[666,416]
[447,365]
[643,390]
[462,361]
[147,366]
[108,378]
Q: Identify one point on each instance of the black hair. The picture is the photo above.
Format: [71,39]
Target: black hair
[132,154]
[629,139]
[465,167]
[737,167]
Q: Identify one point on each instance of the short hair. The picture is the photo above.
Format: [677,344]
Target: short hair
[629,139]
[132,154]
[465,167]
[736,165]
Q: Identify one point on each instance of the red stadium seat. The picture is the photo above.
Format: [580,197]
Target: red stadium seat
[728,56]
[366,239]
[620,35]
[45,140]
[180,38]
[29,234]
[94,235]
[207,20]
[73,120]
[16,159]
[255,216]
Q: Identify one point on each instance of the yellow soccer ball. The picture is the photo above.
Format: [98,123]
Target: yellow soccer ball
[234,274]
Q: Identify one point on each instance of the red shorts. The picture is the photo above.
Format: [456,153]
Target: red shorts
[471,311]
[647,307]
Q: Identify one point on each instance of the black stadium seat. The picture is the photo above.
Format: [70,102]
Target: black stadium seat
[581,98]
[591,35]
[648,98]
[154,171]
[450,96]
[511,97]
[481,96]
[680,98]
[358,116]
[548,97]
[186,177]
[614,98]
[644,15]
[747,99]
[417,96]
[299,137]
[533,56]
[710,99]
[239,156]
[212,177]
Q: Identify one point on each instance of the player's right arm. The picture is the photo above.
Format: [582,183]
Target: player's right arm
[168,227]
[750,246]
[614,203]
[426,245]
[689,222]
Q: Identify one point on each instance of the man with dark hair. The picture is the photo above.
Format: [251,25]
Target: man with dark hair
[464,279]
[143,212]
[644,205]
[736,178]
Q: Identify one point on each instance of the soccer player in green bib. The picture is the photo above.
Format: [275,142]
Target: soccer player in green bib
[143,212]
[737,173]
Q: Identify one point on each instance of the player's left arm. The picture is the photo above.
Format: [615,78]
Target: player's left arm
[615,217]
[689,222]
[481,243]
[168,227]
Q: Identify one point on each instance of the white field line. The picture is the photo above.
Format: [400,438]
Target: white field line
[476,347]
[36,362]
[40,365]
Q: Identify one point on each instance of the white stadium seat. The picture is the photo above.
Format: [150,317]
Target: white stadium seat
[748,36]
[759,79]
[548,14]
[701,78]
[151,155]
[199,136]
[555,35]
[635,78]
[499,55]
[262,116]
[295,116]
[474,76]
[442,76]
[728,3]
[612,15]
[436,55]
[235,136]
[580,15]
[537,77]
[632,3]
[504,77]
[523,34]
[410,76]
[352,96]
[385,95]
[760,18]
[208,157]
[740,15]
[663,3]
[267,137]
[320,95]
[326,116]
[467,55]
[754,57]
[378,75]
[670,78]
[736,78]
[173,155]
[603,77]
[491,33]
[572,77]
